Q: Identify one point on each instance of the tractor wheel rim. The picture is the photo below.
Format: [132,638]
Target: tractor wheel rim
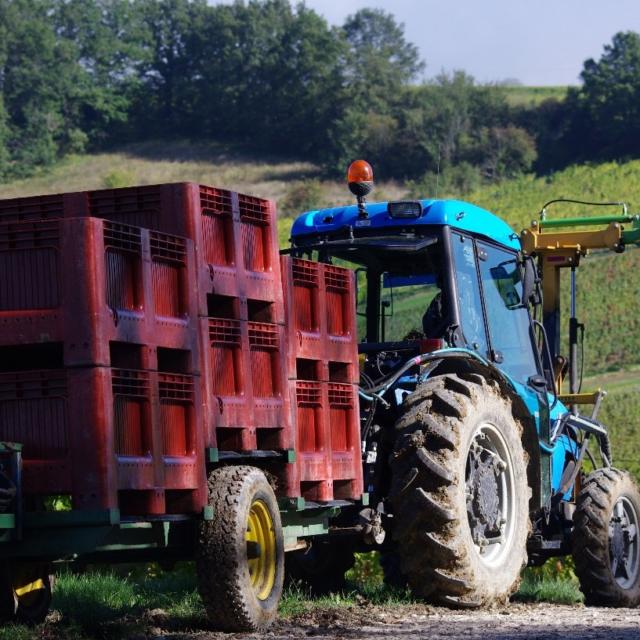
[490,494]
[262,558]
[624,547]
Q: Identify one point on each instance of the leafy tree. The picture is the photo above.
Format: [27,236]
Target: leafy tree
[609,97]
[505,152]
[287,71]
[380,61]
[169,37]
[601,119]
[378,66]
[107,40]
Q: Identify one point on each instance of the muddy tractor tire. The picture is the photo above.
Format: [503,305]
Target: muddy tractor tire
[459,492]
[606,546]
[321,568]
[240,553]
[26,591]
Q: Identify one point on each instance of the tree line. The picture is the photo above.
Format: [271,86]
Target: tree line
[79,75]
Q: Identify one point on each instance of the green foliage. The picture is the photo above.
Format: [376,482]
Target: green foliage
[272,74]
[608,98]
[302,196]
[97,600]
[118,178]
[531,97]
[58,503]
[367,570]
[546,589]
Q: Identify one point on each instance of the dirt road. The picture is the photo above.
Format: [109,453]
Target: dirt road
[516,622]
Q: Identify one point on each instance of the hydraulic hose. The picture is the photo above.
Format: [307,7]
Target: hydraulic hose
[382,387]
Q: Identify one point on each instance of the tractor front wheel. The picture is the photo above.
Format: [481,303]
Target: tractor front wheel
[240,553]
[606,546]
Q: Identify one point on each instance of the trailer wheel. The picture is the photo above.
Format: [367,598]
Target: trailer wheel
[321,567]
[459,492]
[606,546]
[240,553]
[26,593]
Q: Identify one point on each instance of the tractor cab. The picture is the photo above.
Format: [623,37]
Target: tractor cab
[432,274]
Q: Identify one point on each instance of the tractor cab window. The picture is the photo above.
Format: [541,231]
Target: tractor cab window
[469,303]
[507,314]
[412,307]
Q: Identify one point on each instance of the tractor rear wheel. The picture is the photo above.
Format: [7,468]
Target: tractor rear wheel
[459,492]
[240,553]
[606,546]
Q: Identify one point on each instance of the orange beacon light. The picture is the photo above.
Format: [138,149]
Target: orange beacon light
[360,179]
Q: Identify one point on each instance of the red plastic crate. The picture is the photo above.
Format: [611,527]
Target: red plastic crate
[112,438]
[346,457]
[320,318]
[235,235]
[328,462]
[85,284]
[244,377]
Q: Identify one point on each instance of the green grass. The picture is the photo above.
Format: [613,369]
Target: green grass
[139,600]
[555,590]
[104,602]
[291,182]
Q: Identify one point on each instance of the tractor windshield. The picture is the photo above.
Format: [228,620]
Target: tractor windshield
[401,289]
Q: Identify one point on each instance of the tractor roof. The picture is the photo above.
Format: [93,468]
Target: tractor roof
[454,213]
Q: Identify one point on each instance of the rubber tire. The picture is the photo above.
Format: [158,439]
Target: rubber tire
[321,567]
[594,506]
[221,551]
[32,609]
[431,525]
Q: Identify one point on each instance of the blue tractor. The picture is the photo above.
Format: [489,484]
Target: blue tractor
[473,457]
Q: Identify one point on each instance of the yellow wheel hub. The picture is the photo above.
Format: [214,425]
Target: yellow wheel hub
[261,549]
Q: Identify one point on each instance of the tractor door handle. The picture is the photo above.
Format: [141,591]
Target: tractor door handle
[538,382]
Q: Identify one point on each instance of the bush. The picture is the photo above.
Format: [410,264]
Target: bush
[302,196]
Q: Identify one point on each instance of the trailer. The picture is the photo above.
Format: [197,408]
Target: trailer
[155,348]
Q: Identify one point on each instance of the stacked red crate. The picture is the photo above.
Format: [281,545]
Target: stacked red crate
[238,281]
[235,234]
[323,367]
[86,285]
[242,322]
[99,350]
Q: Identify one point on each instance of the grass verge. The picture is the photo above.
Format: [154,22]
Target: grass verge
[143,601]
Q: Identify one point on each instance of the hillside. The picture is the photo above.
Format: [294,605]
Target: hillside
[608,292]
[612,323]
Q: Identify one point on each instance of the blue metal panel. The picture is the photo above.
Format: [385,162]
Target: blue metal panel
[564,445]
[455,213]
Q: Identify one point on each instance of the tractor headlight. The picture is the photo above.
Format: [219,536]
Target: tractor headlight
[405,209]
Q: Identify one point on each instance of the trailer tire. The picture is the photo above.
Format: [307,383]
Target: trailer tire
[459,492]
[321,567]
[240,553]
[26,593]
[606,546]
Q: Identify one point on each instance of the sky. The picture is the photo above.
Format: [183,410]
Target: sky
[537,42]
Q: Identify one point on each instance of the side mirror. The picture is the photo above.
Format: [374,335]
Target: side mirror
[530,283]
